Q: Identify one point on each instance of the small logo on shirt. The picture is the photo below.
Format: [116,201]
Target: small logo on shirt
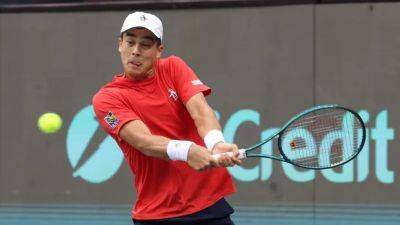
[173,94]
[111,120]
[197,82]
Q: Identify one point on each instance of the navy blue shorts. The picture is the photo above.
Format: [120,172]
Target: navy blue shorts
[217,214]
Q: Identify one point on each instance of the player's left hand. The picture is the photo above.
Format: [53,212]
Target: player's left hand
[226,160]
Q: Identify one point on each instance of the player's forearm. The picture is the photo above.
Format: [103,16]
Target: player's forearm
[206,121]
[137,134]
[208,128]
[152,145]
[165,148]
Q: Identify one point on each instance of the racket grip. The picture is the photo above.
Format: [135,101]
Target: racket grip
[242,154]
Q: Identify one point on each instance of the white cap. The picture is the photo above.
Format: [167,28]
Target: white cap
[145,20]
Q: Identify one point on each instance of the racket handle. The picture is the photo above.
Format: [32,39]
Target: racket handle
[242,154]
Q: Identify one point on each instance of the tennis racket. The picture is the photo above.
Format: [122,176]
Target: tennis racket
[321,137]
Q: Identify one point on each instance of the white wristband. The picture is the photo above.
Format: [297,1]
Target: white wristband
[178,150]
[212,138]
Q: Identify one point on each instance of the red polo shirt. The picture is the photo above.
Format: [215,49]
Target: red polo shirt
[164,188]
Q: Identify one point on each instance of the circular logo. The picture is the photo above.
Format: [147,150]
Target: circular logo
[93,155]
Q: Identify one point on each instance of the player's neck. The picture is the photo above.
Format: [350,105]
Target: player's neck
[139,77]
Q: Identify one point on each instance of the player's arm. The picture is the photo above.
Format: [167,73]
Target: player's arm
[202,114]
[209,129]
[137,134]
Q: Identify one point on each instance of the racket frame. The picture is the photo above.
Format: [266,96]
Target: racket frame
[248,154]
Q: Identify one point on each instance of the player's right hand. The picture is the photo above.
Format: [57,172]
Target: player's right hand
[225,160]
[199,158]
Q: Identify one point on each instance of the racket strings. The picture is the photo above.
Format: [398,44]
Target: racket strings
[311,119]
[322,138]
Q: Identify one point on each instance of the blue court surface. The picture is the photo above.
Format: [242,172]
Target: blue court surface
[245,215]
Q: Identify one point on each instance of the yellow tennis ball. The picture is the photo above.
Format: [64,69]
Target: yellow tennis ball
[49,123]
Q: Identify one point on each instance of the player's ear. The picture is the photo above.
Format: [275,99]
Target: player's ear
[120,44]
[160,49]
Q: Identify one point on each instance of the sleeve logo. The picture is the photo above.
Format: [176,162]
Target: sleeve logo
[197,82]
[173,94]
[111,120]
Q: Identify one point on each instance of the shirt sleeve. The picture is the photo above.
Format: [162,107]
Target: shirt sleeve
[112,113]
[186,81]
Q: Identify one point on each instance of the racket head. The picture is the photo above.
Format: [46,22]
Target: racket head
[322,137]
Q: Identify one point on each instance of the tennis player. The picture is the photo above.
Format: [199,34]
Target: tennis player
[157,113]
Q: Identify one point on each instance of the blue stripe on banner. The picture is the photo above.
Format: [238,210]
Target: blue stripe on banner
[244,215]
